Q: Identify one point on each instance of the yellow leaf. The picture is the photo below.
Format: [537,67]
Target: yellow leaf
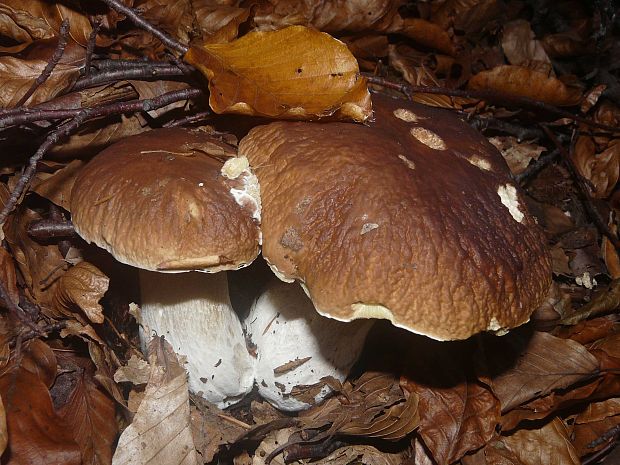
[295,73]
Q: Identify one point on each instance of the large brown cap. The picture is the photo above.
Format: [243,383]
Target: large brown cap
[165,200]
[413,218]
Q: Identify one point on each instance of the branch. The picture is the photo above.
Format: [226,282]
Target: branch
[489,96]
[47,71]
[90,46]
[167,40]
[143,73]
[82,116]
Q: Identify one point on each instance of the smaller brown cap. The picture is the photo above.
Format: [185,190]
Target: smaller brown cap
[168,200]
[413,218]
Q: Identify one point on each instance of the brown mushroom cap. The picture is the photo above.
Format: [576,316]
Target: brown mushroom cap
[413,219]
[159,201]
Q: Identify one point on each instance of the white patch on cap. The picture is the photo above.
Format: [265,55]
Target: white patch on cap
[406,115]
[480,162]
[428,138]
[235,168]
[367,227]
[508,196]
[410,164]
[494,325]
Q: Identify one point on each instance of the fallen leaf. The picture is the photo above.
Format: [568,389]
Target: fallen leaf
[17,75]
[520,367]
[294,73]
[328,16]
[467,15]
[173,17]
[57,187]
[92,418]
[524,82]
[426,33]
[37,435]
[218,23]
[457,415]
[161,429]
[7,275]
[601,169]
[597,419]
[136,371]
[549,445]
[4,435]
[522,49]
[494,453]
[82,286]
[517,154]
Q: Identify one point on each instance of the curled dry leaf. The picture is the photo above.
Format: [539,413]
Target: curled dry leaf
[296,73]
[467,15]
[522,49]
[328,16]
[16,77]
[161,429]
[520,366]
[523,82]
[426,33]
[173,17]
[27,21]
[601,169]
[219,24]
[549,445]
[517,154]
[57,187]
[82,286]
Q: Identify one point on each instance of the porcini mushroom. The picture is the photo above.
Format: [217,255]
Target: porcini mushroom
[296,347]
[413,218]
[171,201]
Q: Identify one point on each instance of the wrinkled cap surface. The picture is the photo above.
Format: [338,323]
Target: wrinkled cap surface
[413,218]
[162,201]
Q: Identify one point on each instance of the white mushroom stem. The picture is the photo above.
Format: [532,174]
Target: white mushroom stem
[297,347]
[193,312]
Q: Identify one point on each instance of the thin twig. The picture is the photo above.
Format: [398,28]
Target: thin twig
[167,40]
[85,115]
[582,187]
[489,96]
[203,115]
[47,71]
[143,73]
[42,230]
[90,46]
[536,167]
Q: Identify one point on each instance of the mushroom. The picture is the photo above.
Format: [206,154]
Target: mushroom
[166,202]
[296,347]
[413,218]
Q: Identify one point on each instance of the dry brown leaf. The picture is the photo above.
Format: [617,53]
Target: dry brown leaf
[520,366]
[522,49]
[523,82]
[173,17]
[4,435]
[57,187]
[136,371]
[467,15]
[494,453]
[82,286]
[596,420]
[611,258]
[92,418]
[427,34]
[26,21]
[601,169]
[549,445]
[218,23]
[362,455]
[40,265]
[328,16]
[16,77]
[457,415]
[564,44]
[161,429]
[294,73]
[591,97]
[37,435]
[7,275]
[517,154]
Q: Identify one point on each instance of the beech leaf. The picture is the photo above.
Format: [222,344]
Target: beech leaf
[295,73]
[549,445]
[524,82]
[521,368]
[4,435]
[81,286]
[161,429]
[91,415]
